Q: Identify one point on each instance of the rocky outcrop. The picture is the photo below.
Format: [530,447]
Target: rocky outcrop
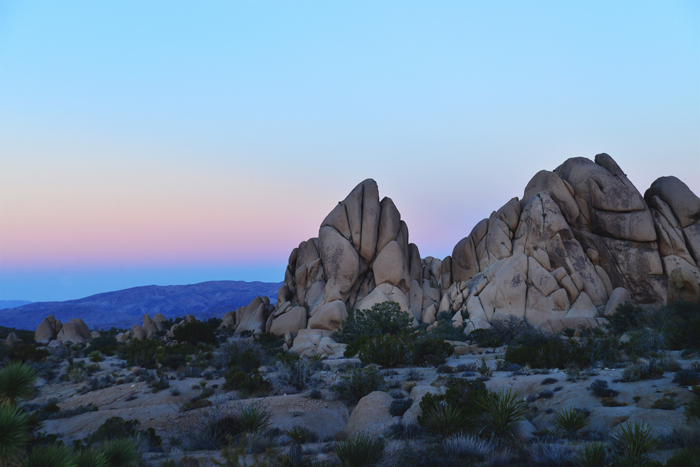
[580,242]
[47,330]
[12,339]
[74,331]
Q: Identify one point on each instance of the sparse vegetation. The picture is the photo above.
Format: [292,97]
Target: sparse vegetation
[361,451]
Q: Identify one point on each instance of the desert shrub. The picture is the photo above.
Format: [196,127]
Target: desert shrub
[296,374]
[413,375]
[625,318]
[115,428]
[106,344]
[13,432]
[600,388]
[174,361]
[601,348]
[541,350]
[388,351]
[248,355]
[400,406]
[213,428]
[677,324]
[550,455]
[361,451]
[634,444]
[501,410]
[507,329]
[121,453]
[689,457]
[465,446]
[590,455]
[571,420]
[429,349]
[252,383]
[27,353]
[96,356]
[612,402]
[664,403]
[195,332]
[692,409]
[644,343]
[16,382]
[49,456]
[686,378]
[454,411]
[668,362]
[359,383]
[383,318]
[446,331]
[643,369]
[68,413]
[141,353]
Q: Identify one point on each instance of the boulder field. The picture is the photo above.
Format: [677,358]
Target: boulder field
[581,241]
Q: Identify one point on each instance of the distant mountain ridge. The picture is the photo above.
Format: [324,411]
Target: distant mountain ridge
[124,308]
[5,304]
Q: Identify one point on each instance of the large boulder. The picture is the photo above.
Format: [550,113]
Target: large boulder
[47,330]
[75,331]
[291,321]
[12,339]
[371,416]
[329,317]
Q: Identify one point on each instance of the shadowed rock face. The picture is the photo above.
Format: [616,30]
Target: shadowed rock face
[581,240]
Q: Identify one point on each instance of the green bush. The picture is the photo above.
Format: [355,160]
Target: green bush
[107,344]
[195,332]
[117,428]
[692,409]
[383,318]
[27,353]
[96,356]
[359,383]
[388,351]
[626,318]
[361,451]
[689,457]
[461,397]
[251,382]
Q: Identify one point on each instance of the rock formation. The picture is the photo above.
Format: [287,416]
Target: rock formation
[581,241]
[47,330]
[74,331]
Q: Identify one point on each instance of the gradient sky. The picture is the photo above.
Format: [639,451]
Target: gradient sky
[177,142]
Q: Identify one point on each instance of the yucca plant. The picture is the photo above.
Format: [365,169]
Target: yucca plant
[298,434]
[13,433]
[571,420]
[501,410]
[362,451]
[591,455]
[49,456]
[634,444]
[90,458]
[254,418]
[120,453]
[16,382]
[445,419]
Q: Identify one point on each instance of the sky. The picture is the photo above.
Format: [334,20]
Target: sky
[177,142]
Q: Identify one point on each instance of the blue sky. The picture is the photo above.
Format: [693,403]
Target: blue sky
[174,142]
